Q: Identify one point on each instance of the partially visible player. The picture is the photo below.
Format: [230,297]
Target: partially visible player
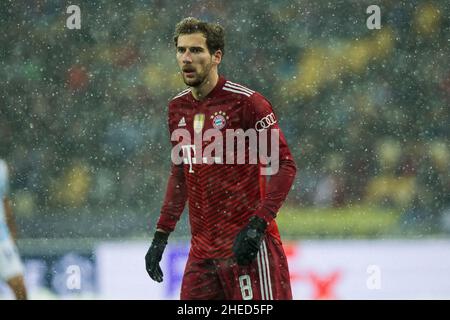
[11,268]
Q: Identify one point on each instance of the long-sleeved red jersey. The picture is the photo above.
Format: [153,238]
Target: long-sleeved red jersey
[222,197]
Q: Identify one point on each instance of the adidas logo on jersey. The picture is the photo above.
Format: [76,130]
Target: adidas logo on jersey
[182,122]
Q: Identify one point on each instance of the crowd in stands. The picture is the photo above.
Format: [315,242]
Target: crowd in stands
[365,112]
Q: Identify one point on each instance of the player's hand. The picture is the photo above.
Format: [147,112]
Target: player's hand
[154,255]
[248,240]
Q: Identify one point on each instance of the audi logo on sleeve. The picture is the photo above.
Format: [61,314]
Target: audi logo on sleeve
[265,122]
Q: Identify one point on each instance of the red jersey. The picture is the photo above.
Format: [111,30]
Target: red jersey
[222,197]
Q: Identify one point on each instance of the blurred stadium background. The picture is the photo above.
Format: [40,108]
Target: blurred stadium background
[366,114]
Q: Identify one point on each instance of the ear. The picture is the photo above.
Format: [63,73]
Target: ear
[217,57]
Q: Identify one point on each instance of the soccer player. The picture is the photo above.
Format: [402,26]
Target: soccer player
[11,268]
[236,252]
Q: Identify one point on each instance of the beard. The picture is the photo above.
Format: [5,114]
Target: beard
[194,82]
[199,77]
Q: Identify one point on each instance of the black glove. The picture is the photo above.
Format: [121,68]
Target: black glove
[248,240]
[154,255]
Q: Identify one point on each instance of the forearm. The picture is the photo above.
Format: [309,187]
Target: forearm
[10,218]
[174,200]
[277,190]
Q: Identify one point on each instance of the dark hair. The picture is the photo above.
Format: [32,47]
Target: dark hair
[213,32]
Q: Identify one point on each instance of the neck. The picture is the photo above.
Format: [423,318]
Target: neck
[201,91]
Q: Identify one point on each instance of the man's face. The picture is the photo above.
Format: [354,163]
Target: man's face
[194,59]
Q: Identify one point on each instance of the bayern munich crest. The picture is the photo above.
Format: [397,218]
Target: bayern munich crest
[219,119]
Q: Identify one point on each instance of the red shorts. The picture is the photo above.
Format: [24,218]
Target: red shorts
[266,278]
